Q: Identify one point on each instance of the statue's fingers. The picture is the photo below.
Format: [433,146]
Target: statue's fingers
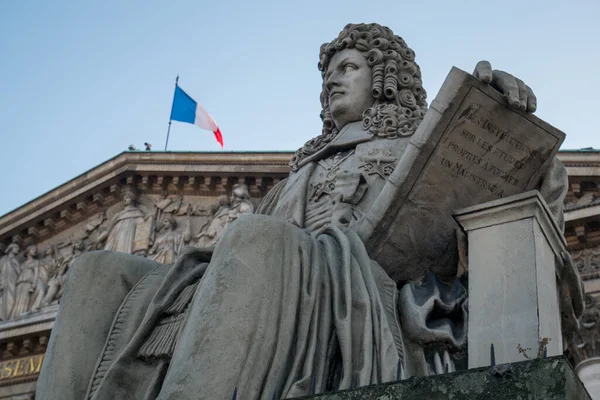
[522,94]
[507,85]
[531,100]
[483,71]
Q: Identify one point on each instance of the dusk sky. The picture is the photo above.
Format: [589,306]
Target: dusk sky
[80,81]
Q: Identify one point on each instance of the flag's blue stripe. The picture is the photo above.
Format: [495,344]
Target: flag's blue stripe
[184,107]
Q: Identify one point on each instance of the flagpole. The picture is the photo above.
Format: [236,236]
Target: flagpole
[169,129]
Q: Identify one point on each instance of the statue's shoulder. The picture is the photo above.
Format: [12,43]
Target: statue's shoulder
[268,203]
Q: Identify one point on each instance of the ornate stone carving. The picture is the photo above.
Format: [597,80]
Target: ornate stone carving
[121,233]
[49,266]
[10,268]
[58,278]
[26,282]
[587,260]
[380,162]
[169,243]
[210,232]
[224,211]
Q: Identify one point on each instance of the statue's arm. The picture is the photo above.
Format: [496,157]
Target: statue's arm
[102,236]
[553,187]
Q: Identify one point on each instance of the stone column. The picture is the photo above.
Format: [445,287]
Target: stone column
[513,250]
[589,373]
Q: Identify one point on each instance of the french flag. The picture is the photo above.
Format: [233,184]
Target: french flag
[186,109]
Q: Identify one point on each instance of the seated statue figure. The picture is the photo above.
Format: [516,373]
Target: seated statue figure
[288,303]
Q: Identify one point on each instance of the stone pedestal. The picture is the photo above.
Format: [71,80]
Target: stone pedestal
[541,379]
[589,373]
[513,248]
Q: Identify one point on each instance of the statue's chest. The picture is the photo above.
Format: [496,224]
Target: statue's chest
[348,181]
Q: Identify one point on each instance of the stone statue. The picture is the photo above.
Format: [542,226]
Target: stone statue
[48,266]
[288,303]
[210,232]
[225,211]
[240,202]
[10,268]
[57,281]
[169,243]
[30,273]
[121,231]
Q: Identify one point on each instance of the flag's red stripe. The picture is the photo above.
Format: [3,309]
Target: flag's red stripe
[218,136]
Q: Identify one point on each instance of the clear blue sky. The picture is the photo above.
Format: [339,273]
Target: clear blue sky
[81,80]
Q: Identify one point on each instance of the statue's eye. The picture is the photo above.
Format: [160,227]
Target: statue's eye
[349,67]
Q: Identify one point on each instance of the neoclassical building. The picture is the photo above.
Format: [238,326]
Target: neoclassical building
[154,203]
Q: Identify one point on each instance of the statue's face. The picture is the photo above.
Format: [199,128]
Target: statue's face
[33,251]
[78,245]
[349,81]
[48,252]
[127,199]
[14,249]
[166,225]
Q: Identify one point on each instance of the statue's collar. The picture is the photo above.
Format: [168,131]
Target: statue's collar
[350,135]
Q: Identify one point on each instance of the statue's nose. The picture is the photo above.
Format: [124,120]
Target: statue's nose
[332,81]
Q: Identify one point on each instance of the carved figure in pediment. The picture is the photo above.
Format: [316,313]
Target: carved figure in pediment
[594,259]
[587,260]
[240,202]
[121,232]
[224,212]
[169,205]
[94,223]
[48,267]
[10,268]
[210,232]
[57,280]
[169,242]
[30,273]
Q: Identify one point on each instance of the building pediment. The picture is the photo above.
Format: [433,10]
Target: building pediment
[184,173]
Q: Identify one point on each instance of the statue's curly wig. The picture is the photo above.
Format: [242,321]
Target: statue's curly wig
[400,100]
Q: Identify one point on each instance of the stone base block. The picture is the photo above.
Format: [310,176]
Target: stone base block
[540,379]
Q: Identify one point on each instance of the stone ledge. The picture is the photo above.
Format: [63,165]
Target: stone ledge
[540,379]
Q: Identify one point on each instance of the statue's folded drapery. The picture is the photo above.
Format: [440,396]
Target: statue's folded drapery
[278,311]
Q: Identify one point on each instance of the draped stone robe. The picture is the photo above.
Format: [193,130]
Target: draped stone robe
[289,302]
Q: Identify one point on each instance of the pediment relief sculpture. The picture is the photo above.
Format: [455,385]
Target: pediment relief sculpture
[223,212]
[158,229]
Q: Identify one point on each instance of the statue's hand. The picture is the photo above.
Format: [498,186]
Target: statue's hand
[516,92]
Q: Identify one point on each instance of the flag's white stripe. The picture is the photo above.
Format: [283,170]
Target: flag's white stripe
[204,120]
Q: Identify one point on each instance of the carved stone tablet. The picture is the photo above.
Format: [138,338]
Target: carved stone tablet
[470,148]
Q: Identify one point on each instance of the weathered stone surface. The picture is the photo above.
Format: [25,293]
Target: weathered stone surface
[470,148]
[515,245]
[539,379]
